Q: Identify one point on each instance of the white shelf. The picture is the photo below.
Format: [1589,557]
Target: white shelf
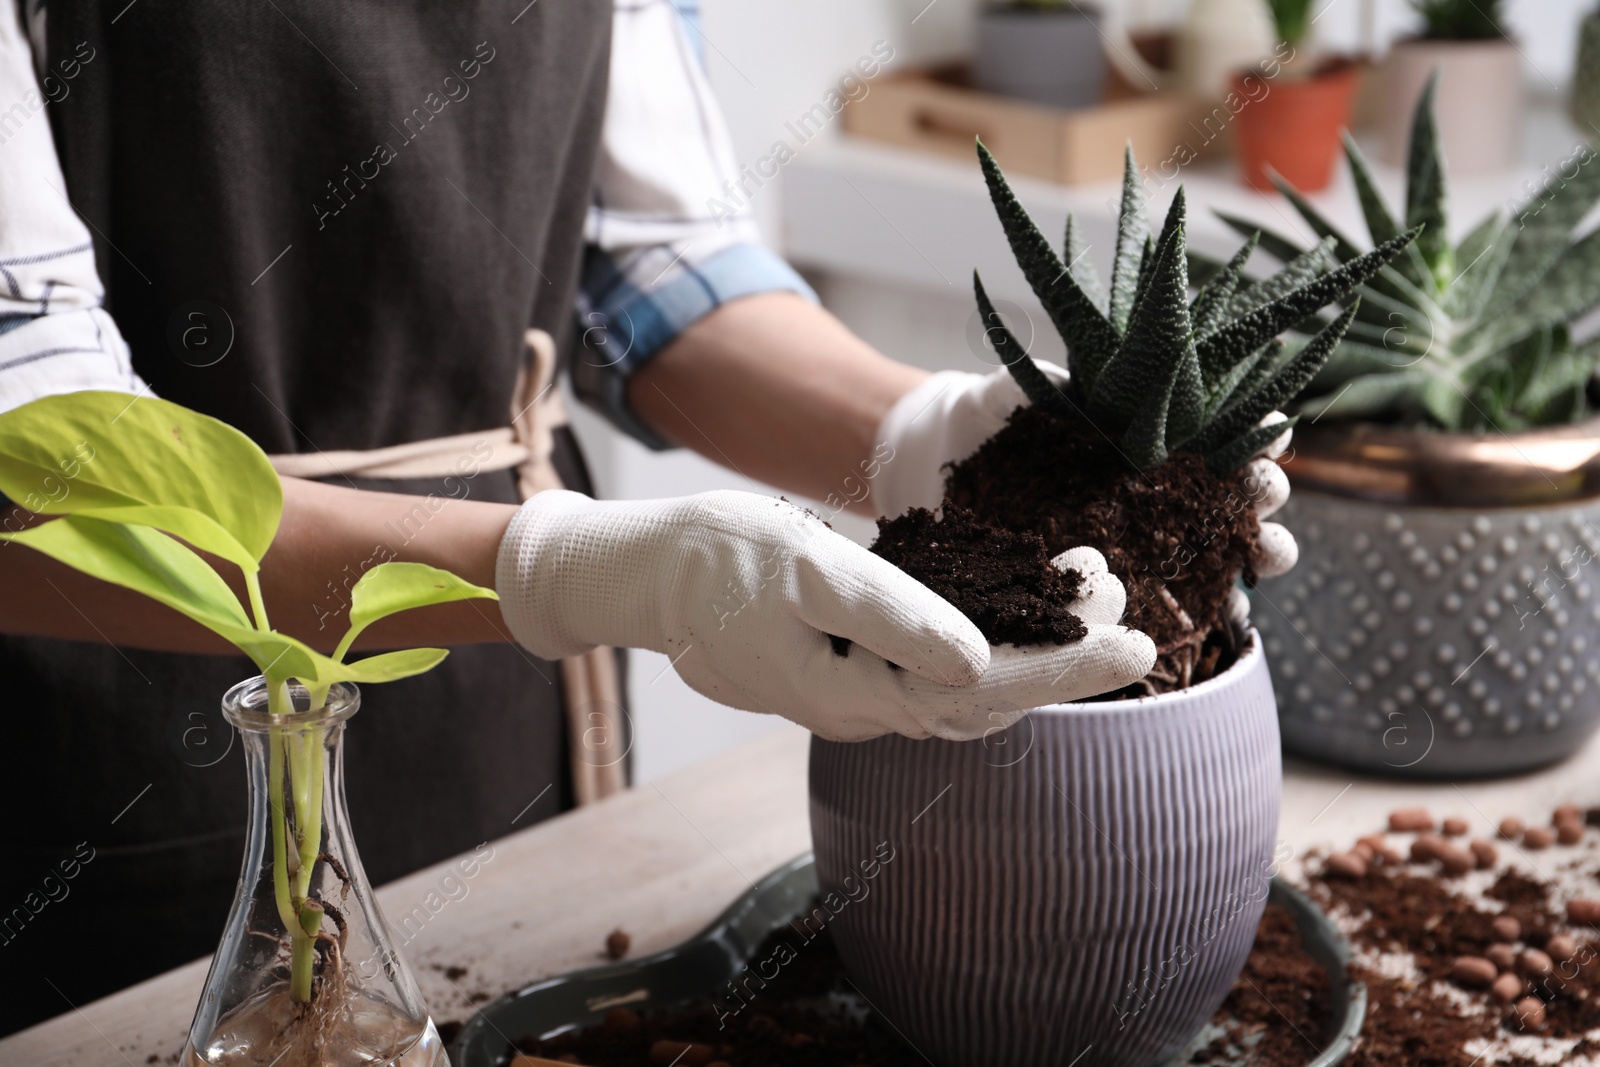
[877,213]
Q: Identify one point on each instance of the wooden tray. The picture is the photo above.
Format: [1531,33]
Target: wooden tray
[932,111]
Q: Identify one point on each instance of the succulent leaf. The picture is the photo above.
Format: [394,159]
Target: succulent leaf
[1211,305]
[1480,258]
[1166,385]
[1159,337]
[1081,266]
[1243,376]
[1569,289]
[1270,240]
[1133,231]
[1425,188]
[1291,276]
[1544,227]
[1038,388]
[1371,395]
[1381,224]
[1153,383]
[1236,453]
[1344,248]
[1264,323]
[1089,337]
[1247,409]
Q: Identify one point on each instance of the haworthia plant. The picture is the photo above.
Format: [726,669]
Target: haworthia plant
[1471,336]
[131,484]
[1151,369]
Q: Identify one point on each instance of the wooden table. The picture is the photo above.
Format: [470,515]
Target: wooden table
[662,860]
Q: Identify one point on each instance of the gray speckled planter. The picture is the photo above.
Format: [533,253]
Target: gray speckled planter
[1085,883]
[1431,641]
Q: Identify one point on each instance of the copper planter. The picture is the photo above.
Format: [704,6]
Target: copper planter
[1443,619]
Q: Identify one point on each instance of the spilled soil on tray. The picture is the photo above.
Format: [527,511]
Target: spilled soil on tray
[810,1015]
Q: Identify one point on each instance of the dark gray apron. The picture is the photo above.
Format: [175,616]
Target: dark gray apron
[378,229]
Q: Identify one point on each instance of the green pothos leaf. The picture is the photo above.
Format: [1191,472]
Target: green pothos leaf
[394,587]
[146,461]
[157,566]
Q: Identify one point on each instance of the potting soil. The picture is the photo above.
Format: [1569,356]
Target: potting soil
[1177,536]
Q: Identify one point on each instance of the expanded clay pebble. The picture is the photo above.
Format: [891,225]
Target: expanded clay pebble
[1502,956]
[1529,1013]
[1561,948]
[1511,827]
[1382,852]
[1474,972]
[1455,861]
[617,943]
[1410,820]
[1508,987]
[1537,838]
[1485,853]
[1506,927]
[1566,813]
[1426,847]
[1569,833]
[1534,963]
[1454,827]
[1584,912]
[1345,865]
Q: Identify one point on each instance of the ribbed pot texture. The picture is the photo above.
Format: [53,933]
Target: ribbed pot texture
[1436,641]
[1086,883]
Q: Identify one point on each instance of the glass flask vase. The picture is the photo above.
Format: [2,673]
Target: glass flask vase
[306,974]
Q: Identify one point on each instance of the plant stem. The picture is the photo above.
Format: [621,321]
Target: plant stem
[304,952]
[295,760]
[277,696]
[258,605]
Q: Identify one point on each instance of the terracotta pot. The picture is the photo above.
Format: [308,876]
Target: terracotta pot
[1444,617]
[1294,128]
[1090,877]
[1478,106]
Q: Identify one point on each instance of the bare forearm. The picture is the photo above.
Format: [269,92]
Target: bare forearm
[776,388]
[328,537]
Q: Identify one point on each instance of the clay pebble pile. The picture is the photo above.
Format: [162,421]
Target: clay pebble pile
[1468,959]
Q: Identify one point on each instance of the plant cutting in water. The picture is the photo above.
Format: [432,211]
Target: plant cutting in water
[1138,451]
[133,485]
[1464,337]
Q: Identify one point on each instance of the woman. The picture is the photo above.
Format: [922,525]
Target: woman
[332,225]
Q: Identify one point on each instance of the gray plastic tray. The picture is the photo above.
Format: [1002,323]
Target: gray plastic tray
[701,967]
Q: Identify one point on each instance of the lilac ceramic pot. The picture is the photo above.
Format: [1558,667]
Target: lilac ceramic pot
[1086,883]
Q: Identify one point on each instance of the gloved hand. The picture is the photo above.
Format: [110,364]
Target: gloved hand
[743,591]
[948,416]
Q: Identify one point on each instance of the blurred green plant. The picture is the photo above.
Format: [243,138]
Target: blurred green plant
[1464,337]
[132,484]
[1292,18]
[1148,368]
[1460,20]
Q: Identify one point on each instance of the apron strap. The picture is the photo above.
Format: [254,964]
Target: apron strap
[591,689]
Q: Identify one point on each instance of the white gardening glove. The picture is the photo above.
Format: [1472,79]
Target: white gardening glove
[743,591]
[950,414]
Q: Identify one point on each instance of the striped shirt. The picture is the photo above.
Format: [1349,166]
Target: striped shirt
[658,256]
